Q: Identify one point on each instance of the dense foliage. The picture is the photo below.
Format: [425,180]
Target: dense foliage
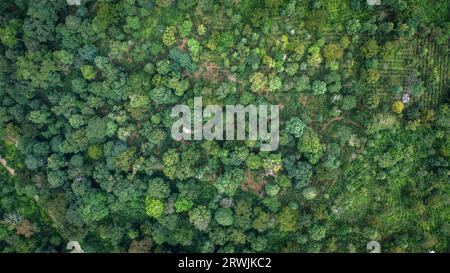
[86,154]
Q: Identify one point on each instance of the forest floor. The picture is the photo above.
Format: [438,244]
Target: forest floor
[3,161]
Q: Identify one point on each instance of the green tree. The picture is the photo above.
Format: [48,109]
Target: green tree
[96,130]
[333,52]
[310,146]
[288,220]
[183,204]
[370,49]
[88,72]
[154,207]
[185,28]
[169,36]
[319,87]
[258,82]
[158,189]
[318,232]
[224,216]
[295,126]
[93,208]
[200,217]
[229,182]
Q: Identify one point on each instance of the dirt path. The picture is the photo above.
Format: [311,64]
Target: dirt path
[5,164]
[325,126]
[12,139]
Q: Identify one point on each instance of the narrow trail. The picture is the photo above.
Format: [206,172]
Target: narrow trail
[10,170]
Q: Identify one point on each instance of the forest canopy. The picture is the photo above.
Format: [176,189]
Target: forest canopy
[86,153]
